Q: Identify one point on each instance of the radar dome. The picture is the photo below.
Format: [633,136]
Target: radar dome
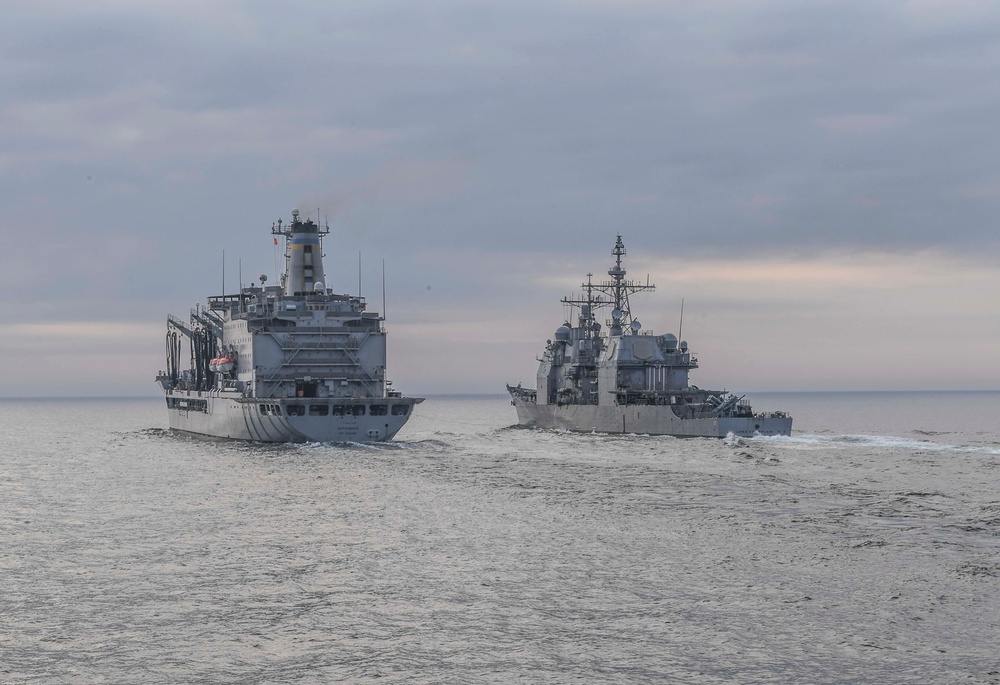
[319,286]
[669,341]
[563,332]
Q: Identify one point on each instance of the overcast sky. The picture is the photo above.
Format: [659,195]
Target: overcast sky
[819,181]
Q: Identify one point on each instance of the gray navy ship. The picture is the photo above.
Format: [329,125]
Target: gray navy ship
[628,380]
[293,362]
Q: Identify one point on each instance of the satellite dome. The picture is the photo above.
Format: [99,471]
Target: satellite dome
[319,286]
[563,332]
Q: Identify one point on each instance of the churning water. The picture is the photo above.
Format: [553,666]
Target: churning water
[863,549]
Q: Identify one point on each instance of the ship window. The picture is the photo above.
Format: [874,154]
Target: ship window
[358,410]
[296,410]
[339,409]
[308,248]
[379,410]
[399,409]
[263,409]
[318,410]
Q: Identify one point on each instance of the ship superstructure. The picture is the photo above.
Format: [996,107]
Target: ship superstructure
[292,362]
[628,380]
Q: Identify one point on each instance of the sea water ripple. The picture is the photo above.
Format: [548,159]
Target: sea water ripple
[473,552]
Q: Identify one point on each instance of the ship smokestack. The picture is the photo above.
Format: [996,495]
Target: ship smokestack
[303,255]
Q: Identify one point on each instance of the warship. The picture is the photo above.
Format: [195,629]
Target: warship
[628,380]
[293,362]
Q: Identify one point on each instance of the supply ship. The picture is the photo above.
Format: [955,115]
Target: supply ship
[628,380]
[293,362]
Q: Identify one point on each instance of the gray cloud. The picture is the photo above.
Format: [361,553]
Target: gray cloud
[142,140]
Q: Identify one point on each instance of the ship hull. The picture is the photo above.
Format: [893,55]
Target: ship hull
[288,419]
[644,419]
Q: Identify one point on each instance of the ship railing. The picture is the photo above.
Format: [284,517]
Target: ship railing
[370,384]
[352,344]
[208,319]
[179,325]
[358,342]
[772,415]
[279,372]
[268,388]
[373,382]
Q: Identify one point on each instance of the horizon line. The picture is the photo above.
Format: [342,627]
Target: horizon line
[502,394]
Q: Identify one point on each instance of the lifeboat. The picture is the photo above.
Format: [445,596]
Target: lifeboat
[223,364]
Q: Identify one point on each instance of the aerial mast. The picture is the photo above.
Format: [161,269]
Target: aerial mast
[619,289]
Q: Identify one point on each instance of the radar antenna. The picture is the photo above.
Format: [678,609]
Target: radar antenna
[619,289]
[588,305]
[616,290]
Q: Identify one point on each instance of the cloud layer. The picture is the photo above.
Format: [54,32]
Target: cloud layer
[490,153]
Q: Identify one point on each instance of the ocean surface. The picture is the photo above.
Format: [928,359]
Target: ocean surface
[863,549]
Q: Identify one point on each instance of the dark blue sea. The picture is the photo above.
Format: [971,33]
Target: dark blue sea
[865,548]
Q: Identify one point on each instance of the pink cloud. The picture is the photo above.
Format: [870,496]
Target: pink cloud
[988,189]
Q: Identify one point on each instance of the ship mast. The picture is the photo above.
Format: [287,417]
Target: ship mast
[588,305]
[619,289]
